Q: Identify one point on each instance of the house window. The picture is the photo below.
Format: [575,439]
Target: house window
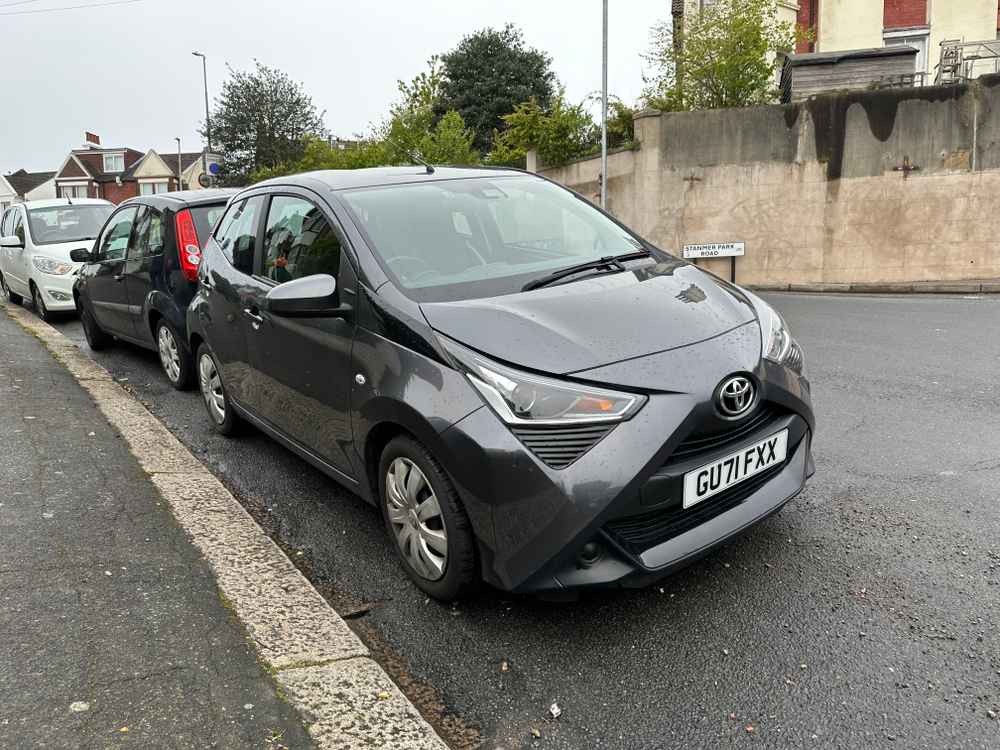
[73,191]
[152,188]
[911,38]
[114,162]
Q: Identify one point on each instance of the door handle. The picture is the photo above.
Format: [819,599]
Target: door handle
[119,277]
[255,319]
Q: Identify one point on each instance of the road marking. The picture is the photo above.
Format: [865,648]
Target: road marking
[321,665]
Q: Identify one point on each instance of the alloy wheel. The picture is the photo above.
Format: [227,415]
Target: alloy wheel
[211,388]
[415,515]
[170,357]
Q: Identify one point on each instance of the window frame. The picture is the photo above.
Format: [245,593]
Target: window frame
[901,37]
[144,211]
[116,156]
[258,234]
[327,214]
[107,228]
[154,186]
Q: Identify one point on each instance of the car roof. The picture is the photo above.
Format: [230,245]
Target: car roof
[50,202]
[346,179]
[179,199]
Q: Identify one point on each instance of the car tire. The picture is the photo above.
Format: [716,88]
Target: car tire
[39,304]
[175,359]
[97,337]
[15,299]
[221,414]
[426,521]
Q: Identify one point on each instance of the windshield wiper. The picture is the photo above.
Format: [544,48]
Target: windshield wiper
[609,263]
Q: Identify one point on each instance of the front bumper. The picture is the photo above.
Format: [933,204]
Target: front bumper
[629,481]
[57,291]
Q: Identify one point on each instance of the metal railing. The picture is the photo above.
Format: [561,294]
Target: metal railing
[962,61]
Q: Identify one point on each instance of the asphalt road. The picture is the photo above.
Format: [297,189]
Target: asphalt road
[864,615]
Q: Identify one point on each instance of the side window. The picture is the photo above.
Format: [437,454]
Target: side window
[148,235]
[6,222]
[298,241]
[237,233]
[17,226]
[114,239]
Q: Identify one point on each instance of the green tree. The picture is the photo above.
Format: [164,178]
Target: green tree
[415,127]
[621,124]
[262,119]
[487,75]
[726,57]
[560,133]
[319,154]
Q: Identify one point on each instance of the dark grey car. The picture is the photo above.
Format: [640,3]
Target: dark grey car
[530,393]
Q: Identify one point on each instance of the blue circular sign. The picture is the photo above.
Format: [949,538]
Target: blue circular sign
[213,168]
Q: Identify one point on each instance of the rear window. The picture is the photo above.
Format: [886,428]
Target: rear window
[205,219]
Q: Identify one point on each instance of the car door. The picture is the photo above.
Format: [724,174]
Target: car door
[301,367]
[228,287]
[17,257]
[6,230]
[106,288]
[144,268]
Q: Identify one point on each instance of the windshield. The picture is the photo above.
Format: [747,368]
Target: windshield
[481,237]
[67,223]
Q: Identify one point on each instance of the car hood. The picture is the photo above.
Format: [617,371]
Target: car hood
[596,321]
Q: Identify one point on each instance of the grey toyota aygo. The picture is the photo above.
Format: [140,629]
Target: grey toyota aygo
[532,394]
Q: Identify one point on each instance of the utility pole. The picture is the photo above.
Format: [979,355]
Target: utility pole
[180,185]
[604,114]
[208,120]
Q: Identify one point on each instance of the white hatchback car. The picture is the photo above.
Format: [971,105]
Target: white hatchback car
[36,239]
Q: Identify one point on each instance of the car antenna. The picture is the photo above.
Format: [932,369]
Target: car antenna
[413,156]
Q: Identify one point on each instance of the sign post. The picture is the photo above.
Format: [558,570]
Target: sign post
[731,250]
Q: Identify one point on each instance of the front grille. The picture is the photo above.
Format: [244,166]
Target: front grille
[708,444]
[636,534]
[558,447]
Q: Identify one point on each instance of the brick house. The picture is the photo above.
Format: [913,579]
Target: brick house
[116,174]
[922,24]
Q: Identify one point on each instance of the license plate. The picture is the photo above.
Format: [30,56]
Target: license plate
[719,476]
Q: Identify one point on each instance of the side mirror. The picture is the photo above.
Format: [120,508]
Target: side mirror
[12,241]
[308,297]
[81,255]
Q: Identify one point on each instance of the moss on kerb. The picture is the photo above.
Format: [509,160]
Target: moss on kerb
[829,116]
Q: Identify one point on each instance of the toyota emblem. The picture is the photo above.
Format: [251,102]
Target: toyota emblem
[736,396]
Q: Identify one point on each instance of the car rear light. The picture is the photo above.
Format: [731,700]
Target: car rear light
[188,247]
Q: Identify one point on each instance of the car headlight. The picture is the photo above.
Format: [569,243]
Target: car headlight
[777,344]
[51,265]
[520,398]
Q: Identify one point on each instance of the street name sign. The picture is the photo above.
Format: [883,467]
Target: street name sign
[716,250]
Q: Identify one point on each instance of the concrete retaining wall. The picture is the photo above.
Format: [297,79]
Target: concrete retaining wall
[813,188]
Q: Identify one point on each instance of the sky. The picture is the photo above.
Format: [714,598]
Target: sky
[126,71]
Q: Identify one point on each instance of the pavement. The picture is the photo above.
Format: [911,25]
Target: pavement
[142,604]
[113,631]
[864,615]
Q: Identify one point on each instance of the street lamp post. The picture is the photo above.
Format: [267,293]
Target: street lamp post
[604,115]
[208,120]
[180,185]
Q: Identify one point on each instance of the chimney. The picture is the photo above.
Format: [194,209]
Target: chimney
[93,141]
